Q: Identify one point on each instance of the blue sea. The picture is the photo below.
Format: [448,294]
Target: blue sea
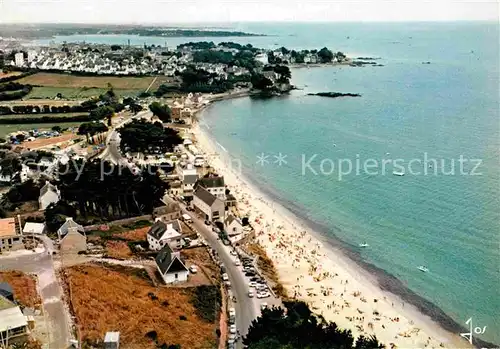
[444,214]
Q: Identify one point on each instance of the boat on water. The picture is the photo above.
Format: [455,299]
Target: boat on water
[398,173]
[423,268]
[364,244]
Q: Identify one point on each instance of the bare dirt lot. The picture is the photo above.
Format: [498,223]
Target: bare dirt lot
[62,141]
[64,80]
[105,298]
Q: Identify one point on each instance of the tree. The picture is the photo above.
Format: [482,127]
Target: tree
[57,129]
[110,192]
[162,111]
[325,55]
[296,327]
[135,108]
[260,82]
[56,213]
[340,57]
[145,137]
[90,129]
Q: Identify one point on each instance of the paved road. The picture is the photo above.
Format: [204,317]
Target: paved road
[112,151]
[51,292]
[247,309]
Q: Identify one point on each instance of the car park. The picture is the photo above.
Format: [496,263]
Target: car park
[252,284]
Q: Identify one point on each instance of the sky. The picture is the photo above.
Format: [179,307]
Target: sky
[221,11]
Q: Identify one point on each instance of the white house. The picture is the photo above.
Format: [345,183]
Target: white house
[34,228]
[163,233]
[70,223]
[188,183]
[214,185]
[170,266]
[262,58]
[19,59]
[233,226]
[48,194]
[209,205]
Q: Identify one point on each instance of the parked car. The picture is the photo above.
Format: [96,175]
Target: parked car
[225,277]
[233,252]
[193,269]
[237,262]
[263,295]
[250,293]
[263,306]
[252,284]
[207,222]
[232,329]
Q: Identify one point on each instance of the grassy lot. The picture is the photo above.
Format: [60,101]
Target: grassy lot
[74,81]
[24,287]
[105,297]
[14,116]
[81,93]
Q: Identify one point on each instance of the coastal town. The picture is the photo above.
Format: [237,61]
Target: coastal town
[130,229]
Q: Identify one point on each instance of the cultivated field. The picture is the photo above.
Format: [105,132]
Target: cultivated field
[24,287]
[73,81]
[105,298]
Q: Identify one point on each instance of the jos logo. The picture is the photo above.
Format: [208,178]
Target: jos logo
[476,330]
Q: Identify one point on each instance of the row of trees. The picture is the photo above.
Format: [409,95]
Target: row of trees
[44,119]
[145,137]
[90,129]
[18,94]
[297,327]
[102,191]
[85,106]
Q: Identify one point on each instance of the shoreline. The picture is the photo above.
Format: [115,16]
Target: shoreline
[419,324]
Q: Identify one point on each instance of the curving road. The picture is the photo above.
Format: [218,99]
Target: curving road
[112,151]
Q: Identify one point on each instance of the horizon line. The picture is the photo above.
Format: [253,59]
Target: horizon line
[256,21]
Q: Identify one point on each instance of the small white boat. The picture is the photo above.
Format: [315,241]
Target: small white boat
[398,173]
[364,244]
[422,268]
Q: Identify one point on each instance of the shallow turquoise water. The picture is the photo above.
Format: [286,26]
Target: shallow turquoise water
[449,108]
[445,109]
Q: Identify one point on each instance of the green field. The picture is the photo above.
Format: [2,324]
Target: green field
[75,93]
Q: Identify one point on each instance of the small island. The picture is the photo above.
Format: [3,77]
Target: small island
[334,94]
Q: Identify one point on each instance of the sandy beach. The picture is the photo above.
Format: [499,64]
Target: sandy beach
[329,282]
